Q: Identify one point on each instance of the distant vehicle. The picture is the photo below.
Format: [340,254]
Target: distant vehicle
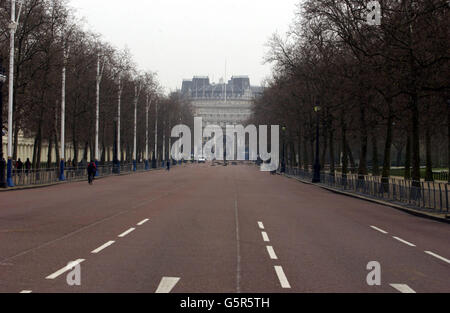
[201,160]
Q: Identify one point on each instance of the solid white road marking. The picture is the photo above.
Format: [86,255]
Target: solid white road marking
[402,288]
[106,245]
[272,254]
[64,269]
[379,229]
[282,277]
[265,237]
[167,284]
[261,225]
[126,232]
[26,291]
[404,241]
[438,256]
[143,222]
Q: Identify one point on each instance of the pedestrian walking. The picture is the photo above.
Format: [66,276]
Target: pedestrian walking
[19,166]
[168,165]
[27,166]
[91,169]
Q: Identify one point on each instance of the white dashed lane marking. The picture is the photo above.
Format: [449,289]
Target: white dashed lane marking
[438,256]
[402,288]
[66,268]
[142,222]
[126,232]
[106,245]
[379,229]
[261,225]
[265,236]
[167,284]
[282,277]
[404,241]
[271,252]
[26,291]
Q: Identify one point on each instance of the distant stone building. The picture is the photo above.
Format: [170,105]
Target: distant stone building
[221,104]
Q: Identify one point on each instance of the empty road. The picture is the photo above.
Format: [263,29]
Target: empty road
[213,229]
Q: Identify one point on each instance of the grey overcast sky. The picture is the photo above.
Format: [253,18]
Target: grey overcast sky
[182,38]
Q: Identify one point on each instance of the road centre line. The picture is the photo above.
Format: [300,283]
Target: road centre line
[379,229]
[66,268]
[106,245]
[167,284]
[126,232]
[282,277]
[402,288]
[142,222]
[438,256]
[404,241]
[271,252]
[265,236]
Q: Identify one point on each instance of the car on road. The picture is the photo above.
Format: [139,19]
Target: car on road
[201,160]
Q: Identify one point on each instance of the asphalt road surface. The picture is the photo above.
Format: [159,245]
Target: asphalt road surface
[213,229]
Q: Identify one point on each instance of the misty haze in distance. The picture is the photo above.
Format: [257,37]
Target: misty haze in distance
[179,39]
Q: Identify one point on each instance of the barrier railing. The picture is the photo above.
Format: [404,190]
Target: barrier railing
[28,177]
[430,196]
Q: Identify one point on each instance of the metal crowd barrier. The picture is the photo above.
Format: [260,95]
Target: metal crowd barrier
[44,176]
[429,196]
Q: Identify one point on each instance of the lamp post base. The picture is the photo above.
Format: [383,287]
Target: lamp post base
[61,171]
[9,180]
[316,176]
[96,171]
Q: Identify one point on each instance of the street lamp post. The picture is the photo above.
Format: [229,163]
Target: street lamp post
[12,30]
[119,98]
[155,152]
[137,90]
[147,107]
[316,176]
[115,155]
[63,115]
[2,160]
[97,110]
[283,158]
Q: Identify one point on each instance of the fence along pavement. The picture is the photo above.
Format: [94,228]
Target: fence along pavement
[428,196]
[43,176]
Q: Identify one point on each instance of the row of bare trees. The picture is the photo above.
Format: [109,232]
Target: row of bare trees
[378,87]
[49,37]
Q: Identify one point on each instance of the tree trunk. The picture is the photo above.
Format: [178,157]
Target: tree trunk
[351,158]
[299,148]
[415,145]
[448,139]
[375,164]
[362,170]
[429,163]
[305,154]
[58,157]
[408,158]
[344,149]
[49,152]
[332,161]
[386,173]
